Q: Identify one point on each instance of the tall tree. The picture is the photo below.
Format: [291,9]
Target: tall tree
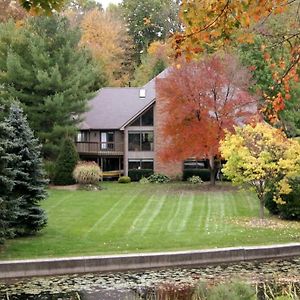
[11,9]
[214,24]
[42,7]
[8,205]
[200,100]
[43,67]
[150,20]
[109,43]
[29,182]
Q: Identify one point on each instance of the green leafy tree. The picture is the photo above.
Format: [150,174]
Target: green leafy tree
[66,162]
[8,205]
[42,66]
[42,6]
[150,20]
[263,158]
[29,182]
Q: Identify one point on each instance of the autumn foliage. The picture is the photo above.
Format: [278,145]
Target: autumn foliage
[200,100]
[214,24]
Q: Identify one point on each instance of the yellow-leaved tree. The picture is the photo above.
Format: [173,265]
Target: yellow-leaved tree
[261,157]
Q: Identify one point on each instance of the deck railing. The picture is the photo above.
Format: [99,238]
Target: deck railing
[98,148]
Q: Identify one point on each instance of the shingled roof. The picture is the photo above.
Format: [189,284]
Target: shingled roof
[111,108]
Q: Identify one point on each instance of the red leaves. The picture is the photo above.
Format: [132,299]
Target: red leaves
[199,100]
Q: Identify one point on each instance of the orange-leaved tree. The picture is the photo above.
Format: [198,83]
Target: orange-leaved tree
[200,100]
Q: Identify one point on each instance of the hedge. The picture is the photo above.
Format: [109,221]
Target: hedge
[136,175]
[204,174]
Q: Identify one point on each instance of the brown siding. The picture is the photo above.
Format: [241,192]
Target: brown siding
[172,169]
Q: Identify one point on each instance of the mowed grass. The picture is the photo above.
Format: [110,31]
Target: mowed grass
[126,218]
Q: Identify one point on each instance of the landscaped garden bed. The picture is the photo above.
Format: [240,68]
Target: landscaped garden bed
[154,217]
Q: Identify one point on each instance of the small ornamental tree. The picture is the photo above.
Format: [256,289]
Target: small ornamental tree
[199,101]
[261,157]
[30,185]
[66,162]
[8,206]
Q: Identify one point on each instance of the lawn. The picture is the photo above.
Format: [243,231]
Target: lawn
[133,217]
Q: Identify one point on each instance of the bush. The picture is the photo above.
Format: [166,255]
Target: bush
[124,179]
[65,164]
[87,172]
[195,180]
[291,209]
[49,167]
[204,174]
[137,175]
[144,180]
[158,178]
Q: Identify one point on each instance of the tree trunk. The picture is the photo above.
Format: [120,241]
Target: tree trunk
[212,170]
[261,209]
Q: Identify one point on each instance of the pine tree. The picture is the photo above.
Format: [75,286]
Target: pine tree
[29,180]
[43,67]
[8,205]
[66,162]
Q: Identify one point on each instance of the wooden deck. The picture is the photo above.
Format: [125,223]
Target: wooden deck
[100,148]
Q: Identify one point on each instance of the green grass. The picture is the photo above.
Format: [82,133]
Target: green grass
[126,218]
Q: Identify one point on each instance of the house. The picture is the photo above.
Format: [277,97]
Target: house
[121,131]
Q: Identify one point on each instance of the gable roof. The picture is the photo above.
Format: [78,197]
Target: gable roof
[113,108]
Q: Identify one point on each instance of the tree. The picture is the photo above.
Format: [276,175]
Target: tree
[261,157]
[216,24]
[29,182]
[109,43]
[66,162]
[150,20]
[11,9]
[43,67]
[152,63]
[8,205]
[200,100]
[40,7]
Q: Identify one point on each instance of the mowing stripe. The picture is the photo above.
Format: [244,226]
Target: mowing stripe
[203,207]
[119,215]
[141,215]
[154,214]
[188,209]
[173,220]
[208,216]
[102,218]
[250,203]
[59,202]
[171,212]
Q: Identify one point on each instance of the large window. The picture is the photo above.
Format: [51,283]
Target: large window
[136,164]
[141,141]
[146,119]
[82,136]
[107,140]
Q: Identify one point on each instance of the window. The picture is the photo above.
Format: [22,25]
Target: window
[107,140]
[141,141]
[82,136]
[136,164]
[194,164]
[146,119]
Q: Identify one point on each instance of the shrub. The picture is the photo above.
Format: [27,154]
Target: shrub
[291,209]
[144,180]
[124,179]
[158,178]
[65,164]
[137,175]
[87,172]
[204,174]
[49,167]
[195,180]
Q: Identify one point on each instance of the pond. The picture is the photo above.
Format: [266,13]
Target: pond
[270,278]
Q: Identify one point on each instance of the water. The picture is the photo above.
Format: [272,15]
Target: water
[177,283]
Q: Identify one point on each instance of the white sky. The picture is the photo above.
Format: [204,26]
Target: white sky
[106,2]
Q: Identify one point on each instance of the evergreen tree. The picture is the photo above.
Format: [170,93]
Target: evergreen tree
[43,67]
[8,205]
[66,162]
[29,181]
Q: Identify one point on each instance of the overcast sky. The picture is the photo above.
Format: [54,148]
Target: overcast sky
[106,2]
